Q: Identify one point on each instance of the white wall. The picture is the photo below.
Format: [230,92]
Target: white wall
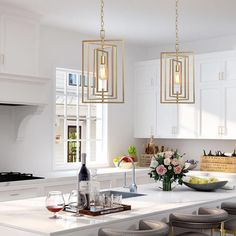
[202,46]
[194,148]
[6,136]
[60,48]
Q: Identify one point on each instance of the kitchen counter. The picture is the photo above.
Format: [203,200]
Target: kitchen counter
[29,217]
[71,176]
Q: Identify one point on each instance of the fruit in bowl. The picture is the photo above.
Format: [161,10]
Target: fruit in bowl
[126,163]
[198,180]
[204,184]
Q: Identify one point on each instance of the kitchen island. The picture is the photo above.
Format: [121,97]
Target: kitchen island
[29,217]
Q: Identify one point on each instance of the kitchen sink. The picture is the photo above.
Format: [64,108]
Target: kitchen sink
[124,194]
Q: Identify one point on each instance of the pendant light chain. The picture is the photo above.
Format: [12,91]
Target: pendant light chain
[102,31]
[177,28]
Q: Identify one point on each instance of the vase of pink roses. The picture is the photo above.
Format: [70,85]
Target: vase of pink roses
[168,167]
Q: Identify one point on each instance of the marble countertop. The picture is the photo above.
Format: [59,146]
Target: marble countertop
[31,215]
[69,176]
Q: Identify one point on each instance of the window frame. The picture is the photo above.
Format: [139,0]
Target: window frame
[102,160]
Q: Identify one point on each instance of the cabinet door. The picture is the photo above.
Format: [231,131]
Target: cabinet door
[210,122]
[146,76]
[145,114]
[167,124]
[19,45]
[231,70]
[187,121]
[211,70]
[229,128]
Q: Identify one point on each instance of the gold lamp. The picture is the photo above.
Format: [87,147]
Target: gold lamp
[177,84]
[102,68]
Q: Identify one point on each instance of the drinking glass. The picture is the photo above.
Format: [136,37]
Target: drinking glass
[55,203]
[116,200]
[77,201]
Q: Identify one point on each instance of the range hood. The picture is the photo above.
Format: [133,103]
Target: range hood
[18,90]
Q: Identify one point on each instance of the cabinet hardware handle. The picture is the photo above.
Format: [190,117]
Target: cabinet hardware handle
[151,82]
[174,130]
[222,75]
[2,59]
[14,194]
[223,130]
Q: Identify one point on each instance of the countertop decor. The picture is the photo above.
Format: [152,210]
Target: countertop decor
[29,217]
[168,167]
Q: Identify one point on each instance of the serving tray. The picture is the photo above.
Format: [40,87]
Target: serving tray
[104,211]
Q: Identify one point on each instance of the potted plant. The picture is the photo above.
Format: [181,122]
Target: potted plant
[132,151]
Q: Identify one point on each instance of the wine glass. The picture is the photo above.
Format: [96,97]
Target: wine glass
[55,203]
[77,201]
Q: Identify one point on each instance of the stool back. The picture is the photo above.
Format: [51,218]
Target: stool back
[146,228]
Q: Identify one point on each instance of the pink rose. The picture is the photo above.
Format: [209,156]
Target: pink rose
[177,170]
[175,162]
[161,170]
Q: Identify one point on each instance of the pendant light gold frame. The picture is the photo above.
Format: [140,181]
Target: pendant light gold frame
[177,73]
[110,89]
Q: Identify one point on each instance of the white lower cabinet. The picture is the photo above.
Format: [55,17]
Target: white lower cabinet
[21,193]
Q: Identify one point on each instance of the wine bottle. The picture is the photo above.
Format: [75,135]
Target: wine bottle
[84,180]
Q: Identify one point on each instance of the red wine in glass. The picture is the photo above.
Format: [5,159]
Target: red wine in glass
[55,203]
[54,208]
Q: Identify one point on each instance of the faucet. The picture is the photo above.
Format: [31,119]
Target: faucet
[133,186]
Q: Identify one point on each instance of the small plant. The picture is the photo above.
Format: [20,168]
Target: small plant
[132,150]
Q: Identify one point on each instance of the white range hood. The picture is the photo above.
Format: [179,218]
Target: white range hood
[23,90]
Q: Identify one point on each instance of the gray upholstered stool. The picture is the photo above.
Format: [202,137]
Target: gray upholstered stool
[230,225]
[206,219]
[146,228]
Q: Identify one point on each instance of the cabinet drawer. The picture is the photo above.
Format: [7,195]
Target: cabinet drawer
[18,194]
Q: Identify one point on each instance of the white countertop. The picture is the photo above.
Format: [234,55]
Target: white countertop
[69,176]
[31,215]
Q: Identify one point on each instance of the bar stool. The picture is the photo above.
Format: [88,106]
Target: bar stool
[146,228]
[207,218]
[230,225]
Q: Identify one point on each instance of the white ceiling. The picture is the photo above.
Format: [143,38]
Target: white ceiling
[149,22]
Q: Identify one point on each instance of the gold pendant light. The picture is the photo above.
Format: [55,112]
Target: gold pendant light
[102,68]
[177,83]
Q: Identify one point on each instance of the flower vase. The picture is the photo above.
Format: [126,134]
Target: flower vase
[166,184]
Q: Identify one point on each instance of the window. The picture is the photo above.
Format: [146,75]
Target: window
[79,127]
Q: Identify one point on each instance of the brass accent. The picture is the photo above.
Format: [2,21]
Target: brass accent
[173,90]
[102,52]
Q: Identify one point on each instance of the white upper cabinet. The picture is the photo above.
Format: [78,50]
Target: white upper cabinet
[210,112]
[146,74]
[213,116]
[187,121]
[145,99]
[145,114]
[167,122]
[217,88]
[211,70]
[19,44]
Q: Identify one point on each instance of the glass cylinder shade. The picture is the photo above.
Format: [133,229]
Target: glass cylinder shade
[103,71]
